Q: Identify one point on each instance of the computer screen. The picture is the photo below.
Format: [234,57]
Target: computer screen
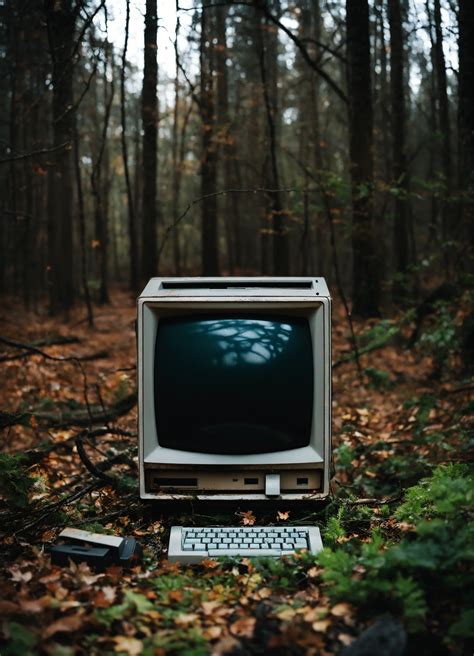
[235,384]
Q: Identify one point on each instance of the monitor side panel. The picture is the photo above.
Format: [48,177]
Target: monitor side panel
[317,455]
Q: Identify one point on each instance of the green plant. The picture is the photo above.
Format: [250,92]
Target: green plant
[448,494]
[334,529]
[343,456]
[428,567]
[21,641]
[441,339]
[378,379]
[15,481]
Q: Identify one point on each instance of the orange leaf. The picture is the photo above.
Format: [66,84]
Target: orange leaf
[247,518]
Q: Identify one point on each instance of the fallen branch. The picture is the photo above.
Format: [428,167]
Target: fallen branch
[88,464]
[31,349]
[374,502]
[58,504]
[71,417]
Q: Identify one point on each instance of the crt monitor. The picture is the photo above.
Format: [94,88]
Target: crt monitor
[234,388]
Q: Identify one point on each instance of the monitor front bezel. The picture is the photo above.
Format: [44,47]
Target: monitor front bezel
[150,310]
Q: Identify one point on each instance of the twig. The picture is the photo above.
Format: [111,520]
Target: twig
[255,190]
[35,153]
[465,388]
[58,504]
[374,502]
[89,465]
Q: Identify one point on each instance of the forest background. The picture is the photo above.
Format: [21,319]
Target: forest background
[319,137]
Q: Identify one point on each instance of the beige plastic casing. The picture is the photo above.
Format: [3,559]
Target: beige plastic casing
[222,477]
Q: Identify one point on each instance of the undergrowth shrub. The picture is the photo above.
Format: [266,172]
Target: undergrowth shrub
[431,566]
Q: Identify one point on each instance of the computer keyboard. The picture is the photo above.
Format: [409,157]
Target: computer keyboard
[191,545]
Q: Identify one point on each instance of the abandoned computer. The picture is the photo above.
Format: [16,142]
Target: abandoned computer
[234,384]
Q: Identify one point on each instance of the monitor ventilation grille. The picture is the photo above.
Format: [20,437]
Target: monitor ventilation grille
[237,285]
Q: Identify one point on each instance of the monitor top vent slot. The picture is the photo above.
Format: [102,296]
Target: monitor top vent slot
[168,284]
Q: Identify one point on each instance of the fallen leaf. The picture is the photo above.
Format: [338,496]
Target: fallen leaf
[105,597]
[263,593]
[321,626]
[224,646]
[213,632]
[35,605]
[175,595]
[286,614]
[18,575]
[64,625]
[340,610]
[247,518]
[244,627]
[346,639]
[208,607]
[185,618]
[283,516]
[129,645]
[8,607]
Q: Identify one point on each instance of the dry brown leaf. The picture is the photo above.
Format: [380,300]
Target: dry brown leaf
[35,605]
[247,518]
[208,607]
[321,626]
[105,597]
[128,644]
[244,627]
[283,516]
[213,632]
[346,639]
[185,618]
[224,646]
[286,614]
[340,610]
[8,607]
[18,575]
[64,625]
[263,593]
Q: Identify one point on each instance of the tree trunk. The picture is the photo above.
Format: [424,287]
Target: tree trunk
[269,78]
[227,144]
[366,283]
[132,229]
[149,256]
[210,253]
[61,23]
[444,123]
[401,234]
[466,121]
[174,155]
[100,210]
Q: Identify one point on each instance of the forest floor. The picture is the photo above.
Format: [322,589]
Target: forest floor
[396,526]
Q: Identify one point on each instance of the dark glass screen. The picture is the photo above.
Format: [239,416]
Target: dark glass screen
[233,385]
